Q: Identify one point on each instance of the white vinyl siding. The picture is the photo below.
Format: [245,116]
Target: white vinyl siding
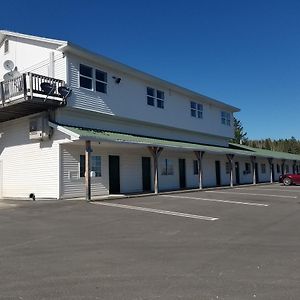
[28,166]
[132,93]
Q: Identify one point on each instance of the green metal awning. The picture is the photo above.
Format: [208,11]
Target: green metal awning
[78,133]
[109,136]
[266,153]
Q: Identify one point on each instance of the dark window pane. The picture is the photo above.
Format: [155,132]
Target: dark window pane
[102,76]
[86,71]
[193,105]
[160,103]
[199,106]
[86,82]
[193,113]
[150,91]
[101,87]
[199,114]
[150,101]
[160,94]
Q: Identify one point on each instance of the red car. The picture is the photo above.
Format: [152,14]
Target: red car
[288,179]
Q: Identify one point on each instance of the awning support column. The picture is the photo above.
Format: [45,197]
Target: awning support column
[270,160]
[155,151]
[253,160]
[230,160]
[199,155]
[88,151]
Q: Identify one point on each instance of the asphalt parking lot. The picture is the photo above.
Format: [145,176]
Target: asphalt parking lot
[241,243]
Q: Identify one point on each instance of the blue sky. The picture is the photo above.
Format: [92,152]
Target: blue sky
[245,53]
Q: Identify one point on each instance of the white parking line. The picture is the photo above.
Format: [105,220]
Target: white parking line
[216,200]
[263,189]
[252,194]
[157,211]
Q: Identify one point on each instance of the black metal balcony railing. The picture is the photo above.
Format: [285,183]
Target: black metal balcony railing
[30,85]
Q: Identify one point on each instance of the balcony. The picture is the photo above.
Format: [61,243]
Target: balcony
[30,93]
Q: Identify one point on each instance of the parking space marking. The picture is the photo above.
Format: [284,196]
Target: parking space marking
[263,189]
[157,211]
[217,200]
[252,194]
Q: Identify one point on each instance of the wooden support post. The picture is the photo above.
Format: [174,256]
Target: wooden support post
[88,151]
[270,160]
[155,152]
[230,160]
[253,160]
[199,155]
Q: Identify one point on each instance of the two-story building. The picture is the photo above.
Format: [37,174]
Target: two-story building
[73,122]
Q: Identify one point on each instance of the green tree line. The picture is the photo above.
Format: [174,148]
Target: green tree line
[290,145]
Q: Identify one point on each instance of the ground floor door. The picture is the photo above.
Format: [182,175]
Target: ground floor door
[182,177]
[114,174]
[256,173]
[146,170]
[218,172]
[237,172]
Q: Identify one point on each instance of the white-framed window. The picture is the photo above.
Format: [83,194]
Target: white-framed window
[95,165]
[227,167]
[6,46]
[101,81]
[195,167]
[225,118]
[196,110]
[155,97]
[92,79]
[263,168]
[167,167]
[86,77]
[150,96]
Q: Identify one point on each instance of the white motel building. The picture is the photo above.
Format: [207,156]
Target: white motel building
[77,124]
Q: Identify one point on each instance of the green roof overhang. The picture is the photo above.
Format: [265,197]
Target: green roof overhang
[98,135]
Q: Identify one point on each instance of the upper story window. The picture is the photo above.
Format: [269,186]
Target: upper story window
[92,79]
[196,110]
[155,97]
[225,118]
[86,77]
[101,81]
